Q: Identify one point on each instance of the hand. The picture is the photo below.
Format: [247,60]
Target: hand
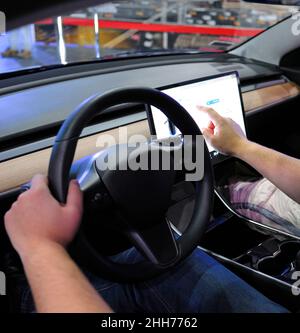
[223,134]
[37,219]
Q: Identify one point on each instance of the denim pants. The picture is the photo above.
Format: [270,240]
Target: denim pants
[199,284]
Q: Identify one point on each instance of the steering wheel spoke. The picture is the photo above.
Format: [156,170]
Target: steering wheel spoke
[156,243]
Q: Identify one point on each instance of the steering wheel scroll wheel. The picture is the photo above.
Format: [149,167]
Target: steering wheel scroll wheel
[140,198]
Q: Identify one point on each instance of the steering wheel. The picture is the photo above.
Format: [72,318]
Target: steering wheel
[140,198]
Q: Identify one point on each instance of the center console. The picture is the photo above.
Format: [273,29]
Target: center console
[269,262]
[265,257]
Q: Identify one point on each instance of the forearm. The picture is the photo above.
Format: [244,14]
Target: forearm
[58,285]
[282,170]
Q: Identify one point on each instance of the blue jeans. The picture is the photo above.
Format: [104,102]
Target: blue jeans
[199,284]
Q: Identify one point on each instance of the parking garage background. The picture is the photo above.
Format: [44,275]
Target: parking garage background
[124,28]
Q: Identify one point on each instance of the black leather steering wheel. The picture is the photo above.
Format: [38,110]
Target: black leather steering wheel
[140,198]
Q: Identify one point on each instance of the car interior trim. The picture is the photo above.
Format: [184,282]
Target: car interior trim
[37,162]
[261,225]
[235,263]
[90,130]
[255,100]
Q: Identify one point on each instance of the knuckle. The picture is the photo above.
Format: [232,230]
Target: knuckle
[7,215]
[23,196]
[14,205]
[34,192]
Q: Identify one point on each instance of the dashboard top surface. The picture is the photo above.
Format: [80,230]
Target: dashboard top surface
[51,103]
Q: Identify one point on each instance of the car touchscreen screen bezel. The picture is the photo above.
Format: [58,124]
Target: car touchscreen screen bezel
[183,83]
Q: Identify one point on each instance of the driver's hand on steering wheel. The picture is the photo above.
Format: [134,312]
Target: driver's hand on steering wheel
[223,134]
[37,219]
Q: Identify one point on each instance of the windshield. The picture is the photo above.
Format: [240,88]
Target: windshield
[119,29]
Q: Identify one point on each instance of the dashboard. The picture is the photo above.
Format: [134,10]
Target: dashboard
[41,102]
[48,100]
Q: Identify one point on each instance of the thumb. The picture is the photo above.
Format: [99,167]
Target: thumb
[39,182]
[75,198]
[207,133]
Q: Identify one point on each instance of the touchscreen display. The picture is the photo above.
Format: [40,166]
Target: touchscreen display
[221,93]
